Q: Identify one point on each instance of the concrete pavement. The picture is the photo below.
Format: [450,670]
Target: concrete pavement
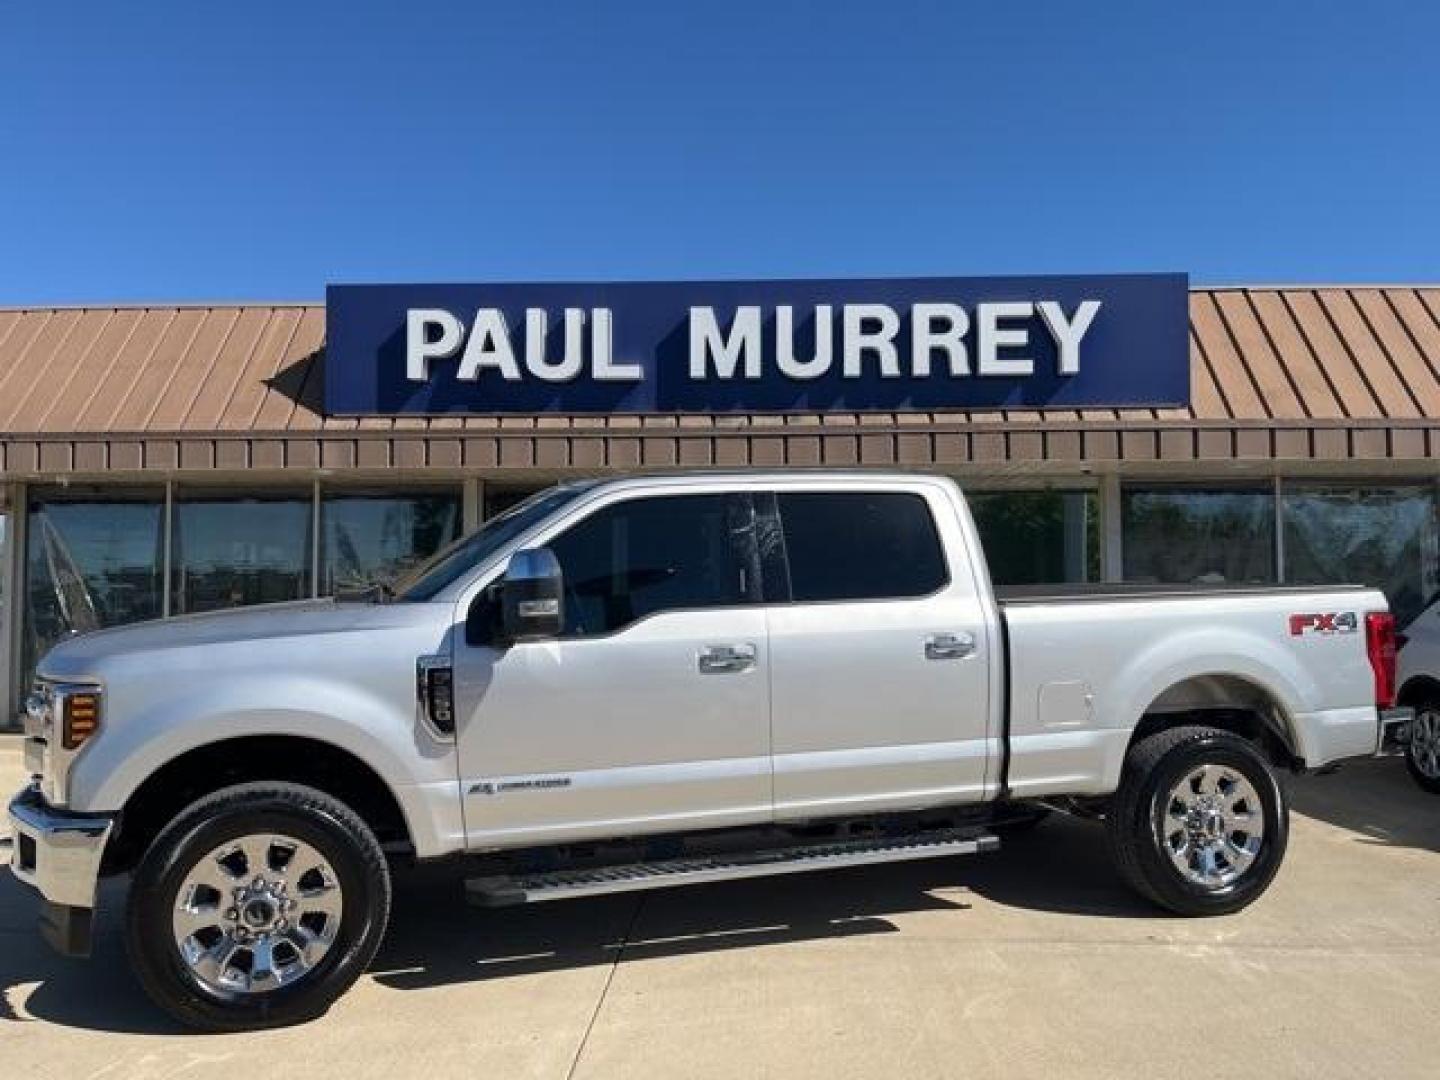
[1034,962]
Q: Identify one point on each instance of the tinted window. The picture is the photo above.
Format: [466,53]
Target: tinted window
[639,557]
[860,545]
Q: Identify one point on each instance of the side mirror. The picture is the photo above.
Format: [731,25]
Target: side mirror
[532,596]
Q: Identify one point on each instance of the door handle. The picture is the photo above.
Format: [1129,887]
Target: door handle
[949,646]
[726,659]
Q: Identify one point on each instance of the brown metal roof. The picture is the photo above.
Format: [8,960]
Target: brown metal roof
[1299,373]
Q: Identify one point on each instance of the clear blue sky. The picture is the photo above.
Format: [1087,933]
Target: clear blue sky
[258,150]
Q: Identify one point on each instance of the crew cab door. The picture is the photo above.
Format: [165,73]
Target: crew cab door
[880,653]
[651,711]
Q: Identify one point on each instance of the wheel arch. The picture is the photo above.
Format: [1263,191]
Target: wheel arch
[1232,702]
[1418,689]
[201,770]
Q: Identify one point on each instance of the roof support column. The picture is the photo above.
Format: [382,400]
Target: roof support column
[1112,561]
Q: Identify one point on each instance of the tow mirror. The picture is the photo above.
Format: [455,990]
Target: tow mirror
[532,596]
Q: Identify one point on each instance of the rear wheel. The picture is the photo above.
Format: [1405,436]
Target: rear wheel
[1200,822]
[1422,756]
[257,907]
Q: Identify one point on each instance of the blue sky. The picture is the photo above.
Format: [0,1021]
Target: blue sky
[259,150]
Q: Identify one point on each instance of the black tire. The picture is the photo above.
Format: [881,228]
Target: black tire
[311,816]
[1424,775]
[1135,823]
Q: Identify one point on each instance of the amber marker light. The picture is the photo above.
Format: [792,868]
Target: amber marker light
[81,719]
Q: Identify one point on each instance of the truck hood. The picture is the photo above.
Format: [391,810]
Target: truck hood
[86,655]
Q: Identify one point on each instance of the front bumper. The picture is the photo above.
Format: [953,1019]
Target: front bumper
[1394,736]
[58,854]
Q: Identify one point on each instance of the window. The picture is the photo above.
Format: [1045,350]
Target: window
[373,537]
[229,550]
[1200,536]
[457,560]
[860,545]
[644,556]
[93,560]
[1038,537]
[1379,536]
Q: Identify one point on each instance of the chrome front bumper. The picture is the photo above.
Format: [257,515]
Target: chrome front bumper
[57,852]
[1394,736]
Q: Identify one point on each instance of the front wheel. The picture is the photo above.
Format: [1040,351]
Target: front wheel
[257,907]
[1200,822]
[1422,756]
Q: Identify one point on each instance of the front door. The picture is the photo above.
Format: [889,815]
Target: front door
[651,712]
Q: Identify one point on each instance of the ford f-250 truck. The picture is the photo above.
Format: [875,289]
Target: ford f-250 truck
[658,681]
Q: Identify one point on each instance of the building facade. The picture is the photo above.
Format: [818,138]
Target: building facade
[163,460]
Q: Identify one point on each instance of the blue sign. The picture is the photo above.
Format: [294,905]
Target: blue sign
[1104,340]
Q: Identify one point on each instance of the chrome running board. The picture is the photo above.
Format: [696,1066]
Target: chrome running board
[503,891]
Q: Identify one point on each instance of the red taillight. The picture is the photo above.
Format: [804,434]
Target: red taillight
[1380,647]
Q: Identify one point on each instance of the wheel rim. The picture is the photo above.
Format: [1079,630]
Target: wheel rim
[1425,743]
[1214,826]
[257,913]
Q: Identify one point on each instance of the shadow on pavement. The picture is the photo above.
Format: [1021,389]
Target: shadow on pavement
[435,940]
[1375,798]
[99,994]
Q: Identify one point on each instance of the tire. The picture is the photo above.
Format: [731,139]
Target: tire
[1246,852]
[339,899]
[1422,756]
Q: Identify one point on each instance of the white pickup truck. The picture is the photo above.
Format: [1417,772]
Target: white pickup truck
[657,681]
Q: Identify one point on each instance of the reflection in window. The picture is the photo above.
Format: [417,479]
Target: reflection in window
[1204,536]
[1379,536]
[92,562]
[372,538]
[644,556]
[1038,537]
[228,550]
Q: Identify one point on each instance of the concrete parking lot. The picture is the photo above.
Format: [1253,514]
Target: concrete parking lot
[1031,962]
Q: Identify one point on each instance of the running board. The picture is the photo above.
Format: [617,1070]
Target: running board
[562,884]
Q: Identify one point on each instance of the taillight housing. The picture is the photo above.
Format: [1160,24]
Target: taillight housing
[1381,647]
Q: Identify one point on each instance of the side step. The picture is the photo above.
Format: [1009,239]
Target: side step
[563,884]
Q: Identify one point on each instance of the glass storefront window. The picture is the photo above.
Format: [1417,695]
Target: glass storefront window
[230,549]
[94,560]
[1198,535]
[1379,536]
[499,499]
[375,537]
[1038,537]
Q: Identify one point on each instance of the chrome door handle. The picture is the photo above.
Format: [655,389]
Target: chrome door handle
[725,659]
[949,646]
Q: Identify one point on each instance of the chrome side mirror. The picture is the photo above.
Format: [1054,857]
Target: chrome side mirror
[532,596]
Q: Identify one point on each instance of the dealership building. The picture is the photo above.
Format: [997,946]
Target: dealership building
[162,460]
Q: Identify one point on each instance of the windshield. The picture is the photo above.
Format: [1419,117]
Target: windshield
[454,562]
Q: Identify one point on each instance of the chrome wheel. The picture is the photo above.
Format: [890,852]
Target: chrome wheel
[256,914]
[1425,744]
[1214,825]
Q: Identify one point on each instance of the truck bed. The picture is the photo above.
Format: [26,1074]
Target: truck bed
[1099,591]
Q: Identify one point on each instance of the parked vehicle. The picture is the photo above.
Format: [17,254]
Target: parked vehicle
[665,680]
[1419,675]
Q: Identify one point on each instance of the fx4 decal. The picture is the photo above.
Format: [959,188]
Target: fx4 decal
[1330,622]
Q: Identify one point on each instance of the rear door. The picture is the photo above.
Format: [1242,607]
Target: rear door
[879,652]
